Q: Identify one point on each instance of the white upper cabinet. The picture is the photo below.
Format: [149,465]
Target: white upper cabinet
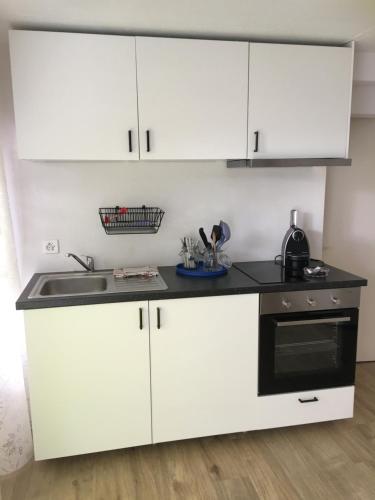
[75,96]
[299,100]
[192,98]
[91,97]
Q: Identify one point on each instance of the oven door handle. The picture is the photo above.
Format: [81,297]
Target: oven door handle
[342,319]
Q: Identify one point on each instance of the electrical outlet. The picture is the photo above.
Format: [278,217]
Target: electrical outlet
[51,246]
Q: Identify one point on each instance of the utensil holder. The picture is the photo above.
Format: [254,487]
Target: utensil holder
[214,261]
[189,261]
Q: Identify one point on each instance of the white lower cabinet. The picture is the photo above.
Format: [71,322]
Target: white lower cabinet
[118,375]
[203,366]
[304,407]
[89,378]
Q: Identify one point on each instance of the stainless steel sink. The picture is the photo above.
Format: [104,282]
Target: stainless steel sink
[72,286]
[87,283]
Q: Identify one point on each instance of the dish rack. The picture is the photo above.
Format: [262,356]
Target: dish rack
[132,220]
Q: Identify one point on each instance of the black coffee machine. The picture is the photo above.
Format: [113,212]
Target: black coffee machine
[295,250]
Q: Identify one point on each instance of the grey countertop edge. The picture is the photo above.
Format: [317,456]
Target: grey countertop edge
[234,283]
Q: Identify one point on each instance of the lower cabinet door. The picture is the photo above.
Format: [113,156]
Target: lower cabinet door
[203,366]
[89,378]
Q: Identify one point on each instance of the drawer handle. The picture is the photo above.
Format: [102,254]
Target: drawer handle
[148,145]
[130,141]
[140,318]
[158,317]
[256,141]
[313,400]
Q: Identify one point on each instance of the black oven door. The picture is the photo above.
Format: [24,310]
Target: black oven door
[307,350]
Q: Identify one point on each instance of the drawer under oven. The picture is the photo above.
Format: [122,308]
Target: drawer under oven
[297,408]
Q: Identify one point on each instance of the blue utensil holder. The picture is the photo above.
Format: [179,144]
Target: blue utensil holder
[200,271]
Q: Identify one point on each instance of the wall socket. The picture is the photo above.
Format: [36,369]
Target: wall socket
[51,246]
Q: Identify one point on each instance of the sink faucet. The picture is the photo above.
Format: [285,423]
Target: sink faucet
[88,265]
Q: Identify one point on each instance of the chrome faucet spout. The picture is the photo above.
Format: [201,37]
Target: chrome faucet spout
[88,265]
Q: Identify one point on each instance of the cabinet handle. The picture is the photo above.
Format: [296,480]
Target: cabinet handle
[158,317]
[256,133]
[140,318]
[148,141]
[313,400]
[322,321]
[130,141]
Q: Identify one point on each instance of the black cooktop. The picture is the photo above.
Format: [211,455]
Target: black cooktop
[266,272]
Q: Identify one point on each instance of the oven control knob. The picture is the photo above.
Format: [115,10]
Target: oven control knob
[311,301]
[335,300]
[286,303]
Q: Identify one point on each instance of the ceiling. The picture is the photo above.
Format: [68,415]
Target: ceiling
[313,21]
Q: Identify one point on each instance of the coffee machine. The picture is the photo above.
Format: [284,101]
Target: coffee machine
[295,250]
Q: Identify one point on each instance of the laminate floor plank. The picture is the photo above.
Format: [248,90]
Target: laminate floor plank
[324,461]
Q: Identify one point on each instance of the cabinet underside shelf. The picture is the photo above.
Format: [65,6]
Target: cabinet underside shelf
[289,162]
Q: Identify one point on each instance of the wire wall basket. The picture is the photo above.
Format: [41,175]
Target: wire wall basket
[132,220]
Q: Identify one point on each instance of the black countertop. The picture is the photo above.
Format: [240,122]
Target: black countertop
[234,282]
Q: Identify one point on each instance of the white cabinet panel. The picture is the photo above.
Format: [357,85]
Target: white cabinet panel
[286,409]
[299,100]
[75,95]
[89,378]
[192,98]
[203,366]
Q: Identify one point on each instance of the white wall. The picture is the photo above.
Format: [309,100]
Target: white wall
[349,236]
[61,200]
[363,102]
[364,67]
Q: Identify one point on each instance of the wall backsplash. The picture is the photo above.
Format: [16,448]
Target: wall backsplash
[60,200]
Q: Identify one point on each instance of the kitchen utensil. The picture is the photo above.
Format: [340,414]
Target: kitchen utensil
[215,236]
[225,234]
[204,238]
[216,230]
[225,230]
[189,252]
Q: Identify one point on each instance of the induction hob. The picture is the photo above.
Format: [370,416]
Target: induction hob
[267,272]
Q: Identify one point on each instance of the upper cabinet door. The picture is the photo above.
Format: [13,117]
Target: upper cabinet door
[75,96]
[299,101]
[192,98]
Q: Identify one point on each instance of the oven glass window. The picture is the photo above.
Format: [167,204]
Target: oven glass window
[308,347]
[305,351]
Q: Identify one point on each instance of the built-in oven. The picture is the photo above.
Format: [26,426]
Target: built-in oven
[307,340]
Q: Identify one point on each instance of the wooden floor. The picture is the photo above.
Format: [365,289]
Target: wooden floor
[332,460]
